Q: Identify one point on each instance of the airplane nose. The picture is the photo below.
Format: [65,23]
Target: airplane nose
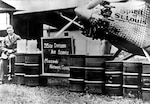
[83,12]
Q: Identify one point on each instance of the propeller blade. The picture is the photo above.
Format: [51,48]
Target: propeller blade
[65,27]
[76,23]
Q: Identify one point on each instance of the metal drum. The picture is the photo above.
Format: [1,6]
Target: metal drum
[19,78]
[113,83]
[146,81]
[76,85]
[94,80]
[132,67]
[146,94]
[20,58]
[77,60]
[19,69]
[32,80]
[77,73]
[131,91]
[96,61]
[76,79]
[114,65]
[32,69]
[132,85]
[132,79]
[33,58]
[113,78]
[113,89]
[146,68]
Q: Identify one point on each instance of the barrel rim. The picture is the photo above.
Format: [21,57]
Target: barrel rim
[146,89]
[146,63]
[31,75]
[97,68]
[31,64]
[93,82]
[19,53]
[132,74]
[113,85]
[20,74]
[73,79]
[22,64]
[98,56]
[114,61]
[145,75]
[95,62]
[130,86]
[138,62]
[34,53]
[78,67]
[77,55]
[113,72]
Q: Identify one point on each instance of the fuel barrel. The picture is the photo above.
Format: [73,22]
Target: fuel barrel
[96,61]
[95,73]
[146,81]
[19,78]
[76,79]
[32,69]
[77,73]
[113,78]
[77,60]
[20,58]
[132,79]
[94,80]
[32,80]
[113,83]
[19,70]
[114,65]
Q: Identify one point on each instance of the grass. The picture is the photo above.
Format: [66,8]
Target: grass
[55,94]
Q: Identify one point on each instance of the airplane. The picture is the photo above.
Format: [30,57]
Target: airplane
[124,23]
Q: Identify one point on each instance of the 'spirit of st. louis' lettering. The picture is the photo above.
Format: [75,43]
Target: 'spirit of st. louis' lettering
[133,17]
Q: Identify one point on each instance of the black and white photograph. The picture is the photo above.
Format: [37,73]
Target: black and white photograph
[74,51]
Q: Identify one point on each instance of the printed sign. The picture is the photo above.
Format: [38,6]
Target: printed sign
[55,54]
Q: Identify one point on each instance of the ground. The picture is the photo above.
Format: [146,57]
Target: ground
[55,94]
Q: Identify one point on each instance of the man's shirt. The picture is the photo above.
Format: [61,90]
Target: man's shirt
[10,42]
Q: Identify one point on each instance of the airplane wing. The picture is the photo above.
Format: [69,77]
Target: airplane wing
[31,6]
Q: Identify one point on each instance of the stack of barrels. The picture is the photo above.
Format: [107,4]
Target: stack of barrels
[129,79]
[32,69]
[87,73]
[19,70]
[113,78]
[27,69]
[77,73]
[95,74]
[132,79]
[101,75]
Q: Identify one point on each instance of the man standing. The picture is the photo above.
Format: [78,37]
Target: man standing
[9,47]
